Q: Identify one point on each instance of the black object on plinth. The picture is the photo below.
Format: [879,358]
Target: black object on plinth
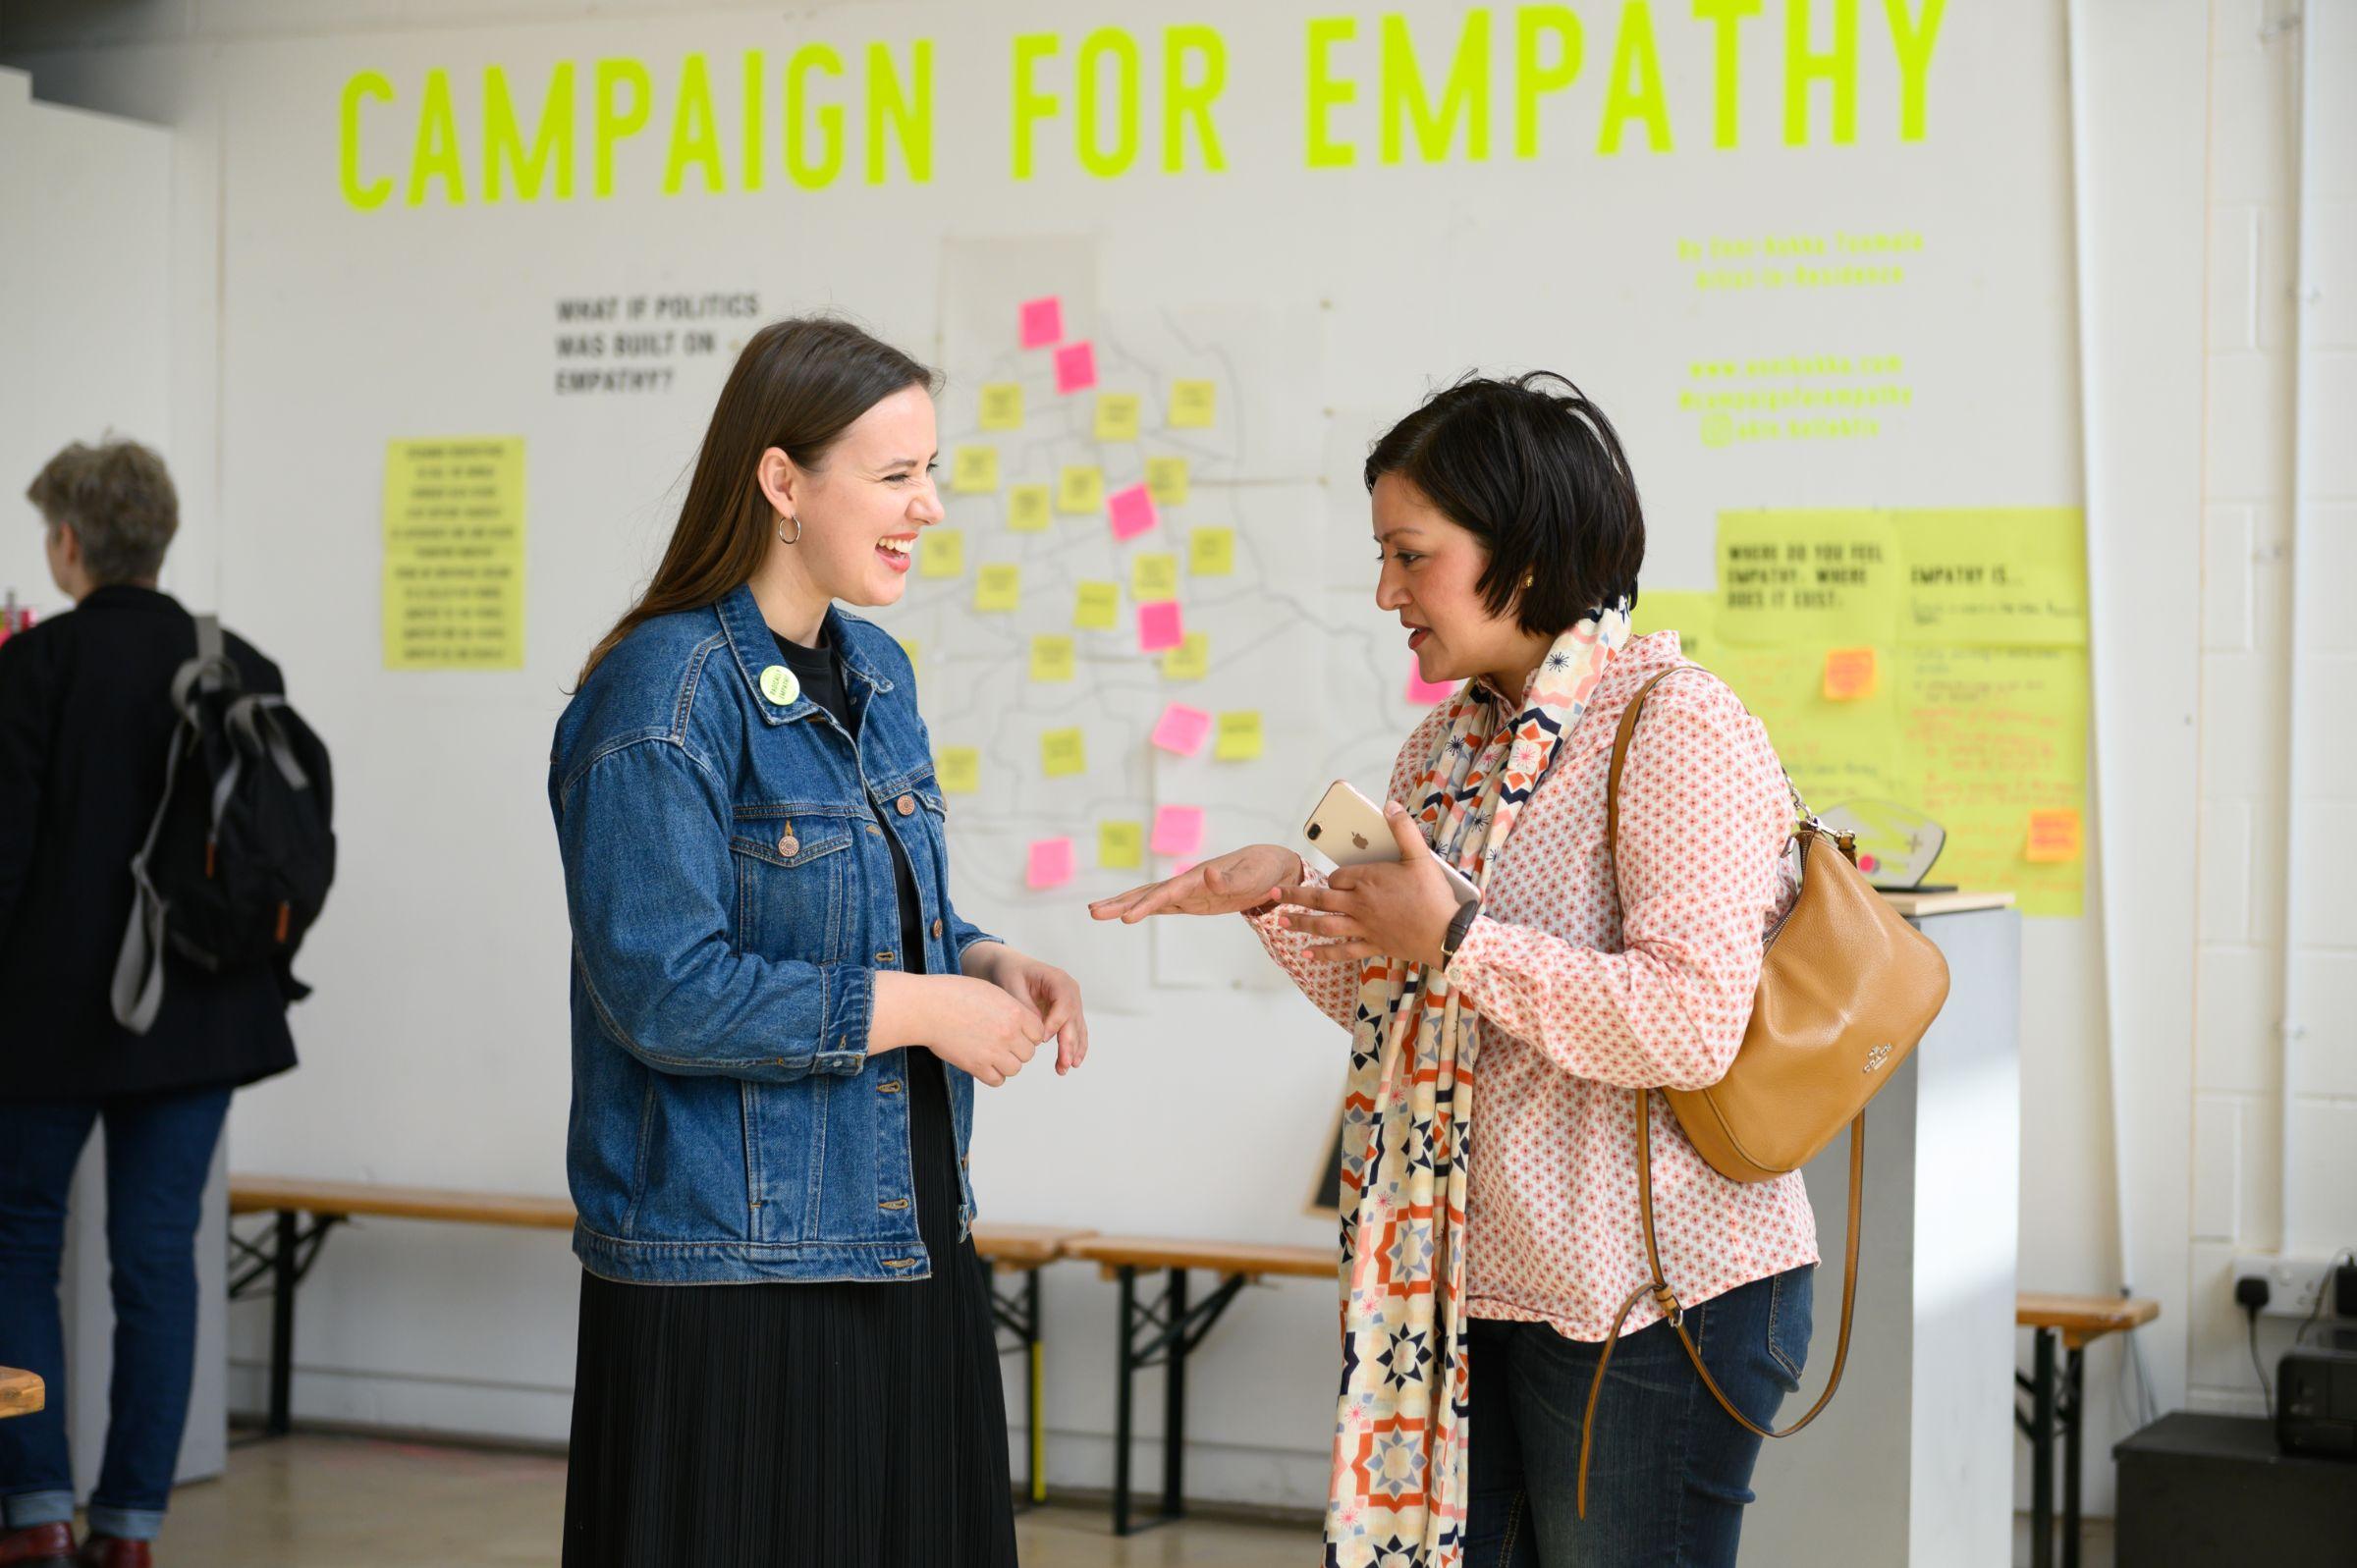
[2198,1490]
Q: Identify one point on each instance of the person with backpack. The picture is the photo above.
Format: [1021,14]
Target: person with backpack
[99,707]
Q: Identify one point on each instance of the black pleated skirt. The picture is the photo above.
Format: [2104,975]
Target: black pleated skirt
[822,1426]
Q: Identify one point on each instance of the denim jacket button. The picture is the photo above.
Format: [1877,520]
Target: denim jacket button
[789,845]
[937,925]
[905,805]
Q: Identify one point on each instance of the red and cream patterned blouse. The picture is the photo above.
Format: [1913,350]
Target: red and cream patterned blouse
[1578,1005]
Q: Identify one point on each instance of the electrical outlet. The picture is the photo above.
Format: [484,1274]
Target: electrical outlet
[2293,1283]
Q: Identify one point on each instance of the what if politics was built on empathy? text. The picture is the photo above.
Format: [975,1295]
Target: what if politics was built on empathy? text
[1382,88]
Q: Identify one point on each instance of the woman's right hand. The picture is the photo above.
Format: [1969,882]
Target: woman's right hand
[970,1024]
[1225,884]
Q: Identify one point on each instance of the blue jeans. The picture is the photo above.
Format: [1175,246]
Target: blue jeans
[1671,1472]
[159,1148]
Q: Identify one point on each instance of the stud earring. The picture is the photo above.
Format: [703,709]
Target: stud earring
[783,521]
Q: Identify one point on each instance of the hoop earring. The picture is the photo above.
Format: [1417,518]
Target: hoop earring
[797,531]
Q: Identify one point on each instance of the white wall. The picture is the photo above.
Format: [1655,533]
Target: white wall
[467,1331]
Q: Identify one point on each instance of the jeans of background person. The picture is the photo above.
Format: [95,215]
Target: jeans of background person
[1670,1472]
[159,1148]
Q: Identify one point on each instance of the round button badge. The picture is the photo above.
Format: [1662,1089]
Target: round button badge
[779,686]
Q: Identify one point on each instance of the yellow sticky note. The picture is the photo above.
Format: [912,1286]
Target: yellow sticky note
[958,769]
[974,470]
[1190,660]
[1165,481]
[1211,552]
[1062,753]
[1028,508]
[2054,838]
[1002,406]
[1193,404]
[1081,487]
[1117,416]
[1097,607]
[941,553]
[1122,846]
[998,586]
[1153,575]
[1050,657]
[1238,736]
[1849,674]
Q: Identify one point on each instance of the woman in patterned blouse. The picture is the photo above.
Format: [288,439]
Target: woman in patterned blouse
[1481,1273]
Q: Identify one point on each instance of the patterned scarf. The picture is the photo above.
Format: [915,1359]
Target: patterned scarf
[1397,1495]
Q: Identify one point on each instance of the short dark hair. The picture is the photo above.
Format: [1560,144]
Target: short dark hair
[118,498]
[1535,471]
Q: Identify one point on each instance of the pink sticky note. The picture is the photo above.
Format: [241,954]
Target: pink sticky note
[1051,863]
[1182,729]
[1177,830]
[1075,367]
[1131,510]
[1426,691]
[1043,321]
[1158,626]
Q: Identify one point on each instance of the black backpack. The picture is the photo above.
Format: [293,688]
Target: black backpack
[239,858]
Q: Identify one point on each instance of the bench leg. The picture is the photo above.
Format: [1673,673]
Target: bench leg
[282,1273]
[1121,1404]
[1174,1405]
[1037,1362]
[2042,1453]
[2072,1423]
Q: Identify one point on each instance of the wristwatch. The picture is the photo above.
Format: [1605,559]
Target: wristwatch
[1458,925]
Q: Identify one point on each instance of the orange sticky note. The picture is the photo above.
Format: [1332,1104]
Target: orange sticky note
[2057,838]
[1849,674]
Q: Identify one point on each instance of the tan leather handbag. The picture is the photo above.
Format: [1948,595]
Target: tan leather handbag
[1846,989]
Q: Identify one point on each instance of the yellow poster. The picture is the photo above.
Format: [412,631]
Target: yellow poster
[2014,577]
[1827,579]
[1693,615]
[1836,750]
[454,554]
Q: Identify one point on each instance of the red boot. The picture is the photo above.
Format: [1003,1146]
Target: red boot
[112,1552]
[41,1547]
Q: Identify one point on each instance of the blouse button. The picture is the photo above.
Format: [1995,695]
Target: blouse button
[906,806]
[788,845]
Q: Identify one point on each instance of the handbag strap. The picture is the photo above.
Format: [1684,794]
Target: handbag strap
[1657,1285]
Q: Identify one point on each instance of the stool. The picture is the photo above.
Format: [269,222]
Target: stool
[2056,1403]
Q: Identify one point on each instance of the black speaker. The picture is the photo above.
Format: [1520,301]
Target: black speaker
[2197,1492]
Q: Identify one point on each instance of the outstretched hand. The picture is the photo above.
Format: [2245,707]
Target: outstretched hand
[1225,884]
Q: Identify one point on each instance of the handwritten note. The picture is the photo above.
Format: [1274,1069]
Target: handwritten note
[1080,489]
[1211,552]
[1062,753]
[958,769]
[974,470]
[1194,405]
[1850,674]
[1051,657]
[1153,575]
[1075,367]
[1050,863]
[1130,510]
[1028,508]
[1001,407]
[940,552]
[1190,660]
[1239,737]
[1177,830]
[998,586]
[1041,321]
[1182,728]
[1160,626]
[2054,838]
[1121,845]
[1166,480]
[1117,416]
[1097,606]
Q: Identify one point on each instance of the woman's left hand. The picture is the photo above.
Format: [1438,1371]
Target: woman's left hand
[1393,908]
[1047,989]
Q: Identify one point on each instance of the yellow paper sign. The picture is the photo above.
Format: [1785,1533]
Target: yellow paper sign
[1165,481]
[940,552]
[958,769]
[1799,578]
[1692,615]
[2014,577]
[454,554]
[1849,674]
[1239,737]
[1062,753]
[1002,406]
[1050,657]
[998,586]
[974,470]
[1117,416]
[1153,575]
[1097,606]
[1190,660]
[1122,846]
[2054,838]
[1193,404]
[1080,488]
[1211,552]
[1028,508]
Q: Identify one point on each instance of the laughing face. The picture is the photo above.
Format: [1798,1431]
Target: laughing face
[861,511]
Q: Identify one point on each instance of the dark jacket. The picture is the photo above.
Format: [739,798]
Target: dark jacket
[85,718]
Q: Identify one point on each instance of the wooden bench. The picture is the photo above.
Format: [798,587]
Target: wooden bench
[1165,1330]
[2056,1401]
[21,1393]
[275,1264]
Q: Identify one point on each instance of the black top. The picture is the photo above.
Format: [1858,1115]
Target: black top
[86,720]
[820,672]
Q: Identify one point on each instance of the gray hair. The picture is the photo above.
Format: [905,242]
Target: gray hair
[118,498]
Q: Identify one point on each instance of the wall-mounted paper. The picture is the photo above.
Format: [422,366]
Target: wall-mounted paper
[1121,845]
[1097,606]
[958,769]
[1001,407]
[1211,552]
[1153,575]
[974,470]
[1080,488]
[1190,660]
[1194,405]
[1117,416]
[1075,367]
[1166,480]
[1850,674]
[1160,626]
[1177,830]
[1062,753]
[1238,736]
[1050,863]
[940,552]
[1050,657]
[1041,321]
[1825,579]
[1028,508]
[454,554]
[2015,576]
[1130,511]
[1692,615]
[2054,838]
[1182,728]
[998,585]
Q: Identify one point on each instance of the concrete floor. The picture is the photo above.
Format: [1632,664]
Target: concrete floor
[312,1501]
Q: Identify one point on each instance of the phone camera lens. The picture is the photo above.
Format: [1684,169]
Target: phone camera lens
[1315,829]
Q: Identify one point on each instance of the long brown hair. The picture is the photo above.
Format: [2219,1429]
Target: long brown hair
[799,385]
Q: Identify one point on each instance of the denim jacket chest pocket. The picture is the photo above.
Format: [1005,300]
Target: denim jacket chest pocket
[795,883]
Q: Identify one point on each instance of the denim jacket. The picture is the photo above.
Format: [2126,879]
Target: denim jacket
[731,899]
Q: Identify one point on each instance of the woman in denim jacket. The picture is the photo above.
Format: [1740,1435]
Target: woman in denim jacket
[778,1018]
